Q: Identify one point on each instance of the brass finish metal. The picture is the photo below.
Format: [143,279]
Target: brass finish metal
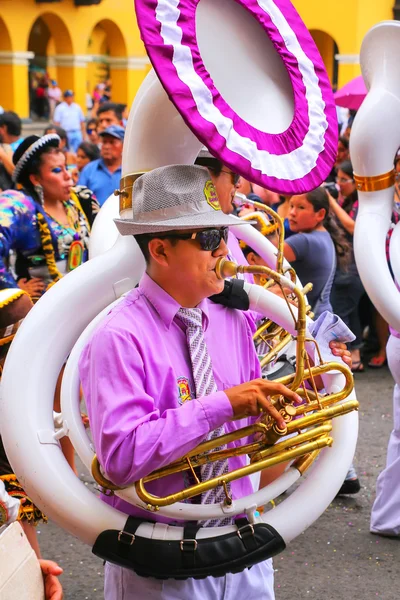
[376,183]
[125,191]
[311,420]
[99,477]
[152,500]
[304,462]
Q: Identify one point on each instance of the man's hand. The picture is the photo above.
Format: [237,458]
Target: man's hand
[340,349]
[249,398]
[52,585]
[34,287]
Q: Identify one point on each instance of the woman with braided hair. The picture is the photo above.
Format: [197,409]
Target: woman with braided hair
[44,223]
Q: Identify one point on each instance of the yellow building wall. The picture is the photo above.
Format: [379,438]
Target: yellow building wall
[110,29]
[347,22]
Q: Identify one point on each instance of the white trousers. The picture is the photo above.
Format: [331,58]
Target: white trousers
[256,583]
[385,516]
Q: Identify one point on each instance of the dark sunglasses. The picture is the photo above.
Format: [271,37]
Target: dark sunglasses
[90,131]
[209,239]
[234,176]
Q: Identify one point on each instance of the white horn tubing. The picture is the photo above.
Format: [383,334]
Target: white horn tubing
[37,354]
[374,141]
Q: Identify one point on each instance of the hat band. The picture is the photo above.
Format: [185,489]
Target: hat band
[172,212]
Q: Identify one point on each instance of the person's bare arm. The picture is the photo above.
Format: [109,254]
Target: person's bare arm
[345,219]
[288,253]
[6,159]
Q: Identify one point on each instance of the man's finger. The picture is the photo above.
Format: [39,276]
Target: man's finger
[273,412]
[49,567]
[53,588]
[282,390]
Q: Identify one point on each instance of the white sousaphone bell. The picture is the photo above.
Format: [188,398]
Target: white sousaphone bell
[256,93]
[375,139]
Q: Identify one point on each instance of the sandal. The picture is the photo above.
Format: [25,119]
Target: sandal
[357,367]
[377,362]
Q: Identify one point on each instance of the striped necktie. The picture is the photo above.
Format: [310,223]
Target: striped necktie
[205,384]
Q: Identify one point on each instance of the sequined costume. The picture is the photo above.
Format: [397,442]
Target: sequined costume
[23,228]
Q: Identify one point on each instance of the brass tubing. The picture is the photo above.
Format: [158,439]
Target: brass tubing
[281,231]
[304,462]
[99,477]
[316,371]
[322,415]
[271,354]
[226,268]
[200,488]
[307,436]
[197,456]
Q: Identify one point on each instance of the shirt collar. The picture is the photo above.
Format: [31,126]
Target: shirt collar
[164,304]
[103,166]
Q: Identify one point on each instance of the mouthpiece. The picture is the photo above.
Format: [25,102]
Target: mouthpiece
[226,268]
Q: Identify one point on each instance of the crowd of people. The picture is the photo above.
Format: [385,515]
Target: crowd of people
[51,190]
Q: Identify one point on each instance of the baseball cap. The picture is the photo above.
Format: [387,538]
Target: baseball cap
[115,131]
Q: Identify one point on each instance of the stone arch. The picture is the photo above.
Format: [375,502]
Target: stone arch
[7,99]
[5,38]
[108,49]
[49,39]
[328,49]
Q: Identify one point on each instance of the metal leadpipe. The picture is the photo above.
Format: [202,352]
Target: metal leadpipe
[200,488]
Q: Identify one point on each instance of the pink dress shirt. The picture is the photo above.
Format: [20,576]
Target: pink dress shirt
[137,381]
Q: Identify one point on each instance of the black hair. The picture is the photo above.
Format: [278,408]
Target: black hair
[91,122]
[344,141]
[12,122]
[213,164]
[349,201]
[91,150]
[319,199]
[62,134]
[33,168]
[118,109]
[143,240]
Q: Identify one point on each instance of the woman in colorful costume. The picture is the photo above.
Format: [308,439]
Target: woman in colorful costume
[44,223]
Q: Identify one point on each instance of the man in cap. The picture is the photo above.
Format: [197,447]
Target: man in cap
[104,174]
[155,375]
[70,117]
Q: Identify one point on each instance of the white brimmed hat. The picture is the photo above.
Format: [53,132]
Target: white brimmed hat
[175,197]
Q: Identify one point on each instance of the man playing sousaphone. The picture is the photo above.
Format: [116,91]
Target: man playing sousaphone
[168,369]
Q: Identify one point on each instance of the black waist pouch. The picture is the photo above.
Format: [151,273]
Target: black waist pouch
[190,557]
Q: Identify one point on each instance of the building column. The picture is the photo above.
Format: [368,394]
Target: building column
[14,75]
[127,74]
[72,74]
[349,67]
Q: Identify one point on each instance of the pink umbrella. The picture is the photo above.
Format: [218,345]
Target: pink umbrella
[352,94]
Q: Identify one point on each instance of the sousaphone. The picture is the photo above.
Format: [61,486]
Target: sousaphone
[375,139]
[245,79]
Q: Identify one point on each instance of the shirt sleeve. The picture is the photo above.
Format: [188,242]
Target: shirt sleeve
[299,243]
[131,436]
